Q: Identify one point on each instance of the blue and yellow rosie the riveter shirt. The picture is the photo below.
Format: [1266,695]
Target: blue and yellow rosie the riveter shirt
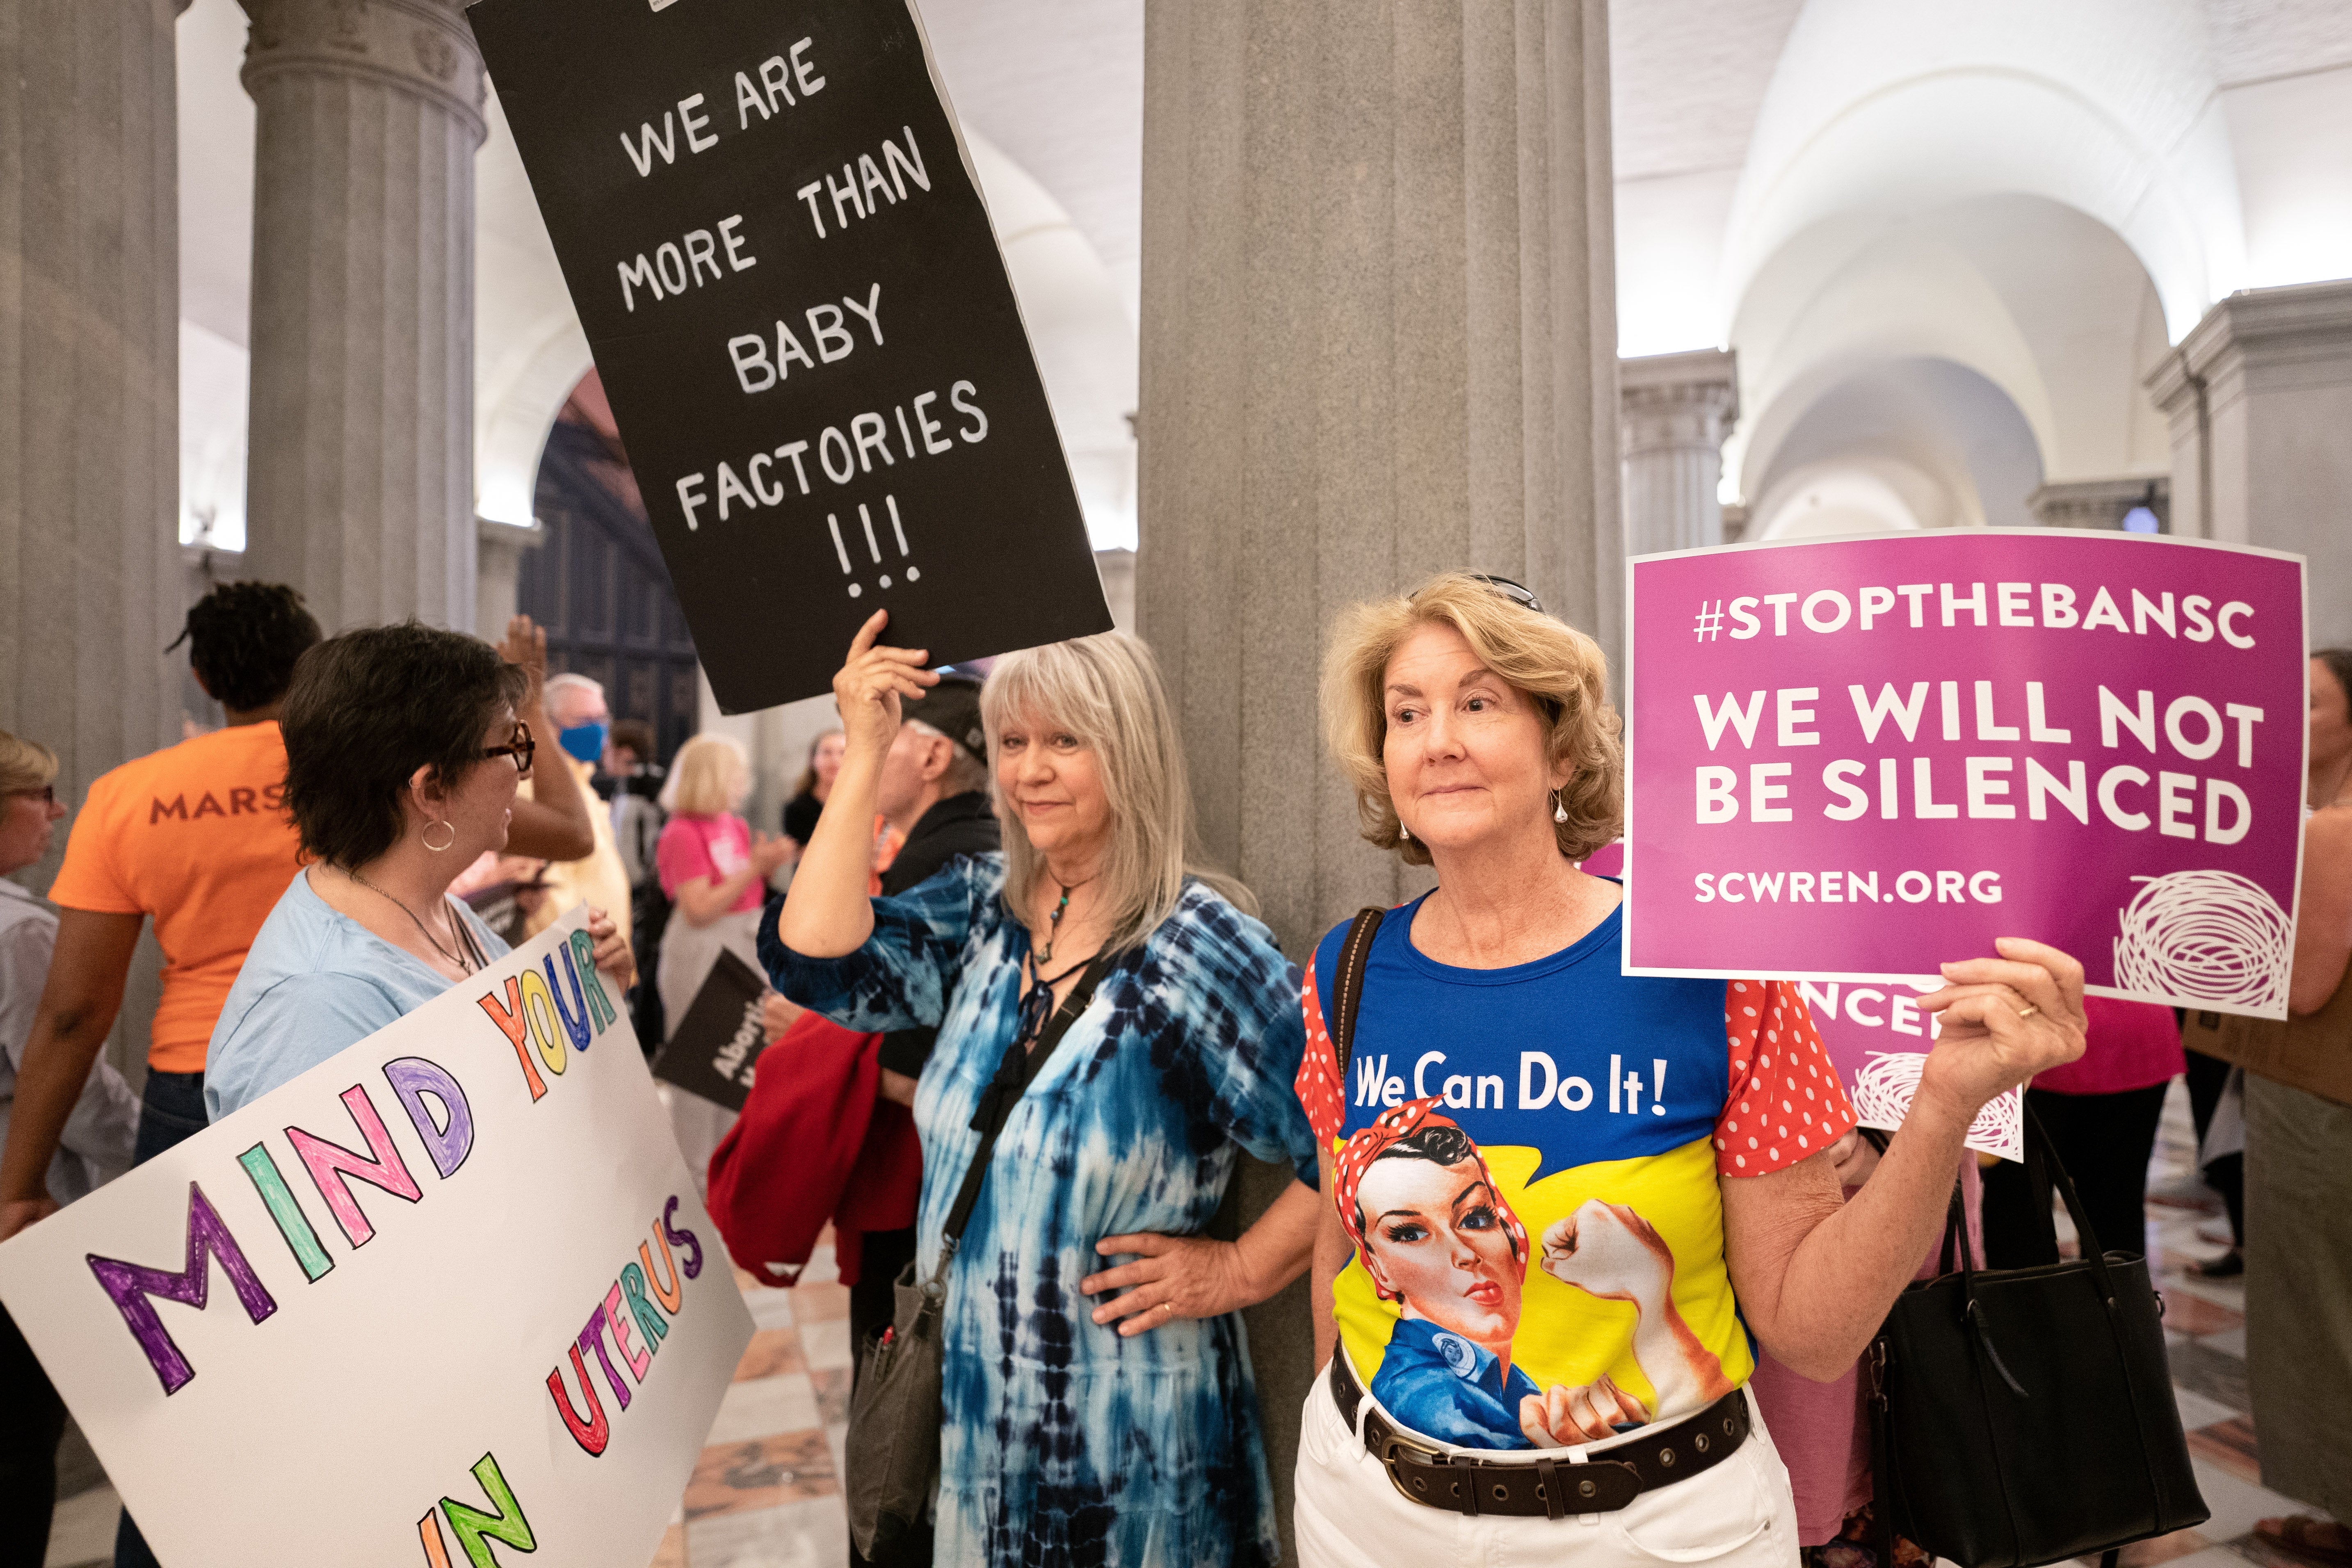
[1526,1161]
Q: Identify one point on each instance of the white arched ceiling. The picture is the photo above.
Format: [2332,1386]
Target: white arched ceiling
[1852,495]
[1895,110]
[2045,304]
[529,349]
[1909,442]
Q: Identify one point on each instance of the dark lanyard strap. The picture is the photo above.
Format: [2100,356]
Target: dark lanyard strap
[1014,1076]
[470,944]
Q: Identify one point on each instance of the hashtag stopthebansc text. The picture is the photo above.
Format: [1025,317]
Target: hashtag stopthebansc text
[1710,620]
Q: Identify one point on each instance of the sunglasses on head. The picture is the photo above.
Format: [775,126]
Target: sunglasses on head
[1518,593]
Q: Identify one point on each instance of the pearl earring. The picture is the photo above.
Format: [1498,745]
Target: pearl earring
[1403,831]
[1559,812]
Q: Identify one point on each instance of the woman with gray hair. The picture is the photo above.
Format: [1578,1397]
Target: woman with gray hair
[1123,1431]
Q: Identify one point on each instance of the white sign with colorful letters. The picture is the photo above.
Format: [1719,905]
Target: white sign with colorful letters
[446,1299]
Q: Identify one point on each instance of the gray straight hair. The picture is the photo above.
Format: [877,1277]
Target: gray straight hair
[1106,691]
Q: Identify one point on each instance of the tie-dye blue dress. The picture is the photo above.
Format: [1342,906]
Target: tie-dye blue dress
[1064,1443]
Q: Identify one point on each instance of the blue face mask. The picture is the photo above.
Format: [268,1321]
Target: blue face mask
[585,743]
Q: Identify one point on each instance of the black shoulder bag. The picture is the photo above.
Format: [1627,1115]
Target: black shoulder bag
[892,1451]
[2025,1415]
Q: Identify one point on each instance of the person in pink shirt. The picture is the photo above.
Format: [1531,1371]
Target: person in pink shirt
[715,871]
[2101,1112]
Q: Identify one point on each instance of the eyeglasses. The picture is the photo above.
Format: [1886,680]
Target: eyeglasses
[47,795]
[1518,593]
[521,749]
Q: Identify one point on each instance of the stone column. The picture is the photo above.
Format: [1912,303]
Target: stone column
[1677,409]
[1378,330]
[2258,396]
[360,485]
[89,405]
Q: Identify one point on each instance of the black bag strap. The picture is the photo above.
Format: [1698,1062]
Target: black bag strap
[1017,1072]
[1353,954]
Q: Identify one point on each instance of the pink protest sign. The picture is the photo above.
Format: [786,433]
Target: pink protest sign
[1878,1038]
[1854,758]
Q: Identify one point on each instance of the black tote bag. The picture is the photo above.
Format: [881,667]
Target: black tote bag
[2022,1416]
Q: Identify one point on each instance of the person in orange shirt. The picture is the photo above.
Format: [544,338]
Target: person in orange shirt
[195,837]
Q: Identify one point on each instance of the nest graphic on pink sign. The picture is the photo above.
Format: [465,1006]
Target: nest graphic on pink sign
[1882,1097]
[2212,936]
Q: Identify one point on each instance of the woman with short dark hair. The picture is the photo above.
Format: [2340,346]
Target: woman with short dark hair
[402,753]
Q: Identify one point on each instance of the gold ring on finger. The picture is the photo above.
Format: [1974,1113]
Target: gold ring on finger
[2027,1012]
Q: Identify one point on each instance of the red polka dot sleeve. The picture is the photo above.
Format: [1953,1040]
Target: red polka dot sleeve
[1786,1102]
[1318,1083]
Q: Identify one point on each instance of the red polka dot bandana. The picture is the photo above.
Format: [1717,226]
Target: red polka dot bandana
[1349,1167]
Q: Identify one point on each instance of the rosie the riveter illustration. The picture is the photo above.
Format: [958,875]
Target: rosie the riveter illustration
[1436,1236]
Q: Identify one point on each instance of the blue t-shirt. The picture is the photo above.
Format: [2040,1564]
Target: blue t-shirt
[1527,1160]
[315,983]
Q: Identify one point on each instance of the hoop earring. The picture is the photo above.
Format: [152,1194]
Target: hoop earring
[1559,812]
[425,837]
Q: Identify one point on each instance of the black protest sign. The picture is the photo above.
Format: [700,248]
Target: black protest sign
[806,331]
[714,1047]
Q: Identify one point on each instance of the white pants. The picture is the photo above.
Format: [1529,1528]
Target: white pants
[1738,1513]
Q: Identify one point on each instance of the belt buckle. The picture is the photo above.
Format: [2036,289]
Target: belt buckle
[1397,1451]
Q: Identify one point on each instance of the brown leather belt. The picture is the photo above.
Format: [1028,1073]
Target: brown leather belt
[1554,1488]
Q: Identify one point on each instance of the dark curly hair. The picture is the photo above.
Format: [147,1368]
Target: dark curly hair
[244,639]
[369,707]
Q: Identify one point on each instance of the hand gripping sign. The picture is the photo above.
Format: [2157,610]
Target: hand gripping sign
[446,1297]
[1856,758]
[1878,1037]
[781,259]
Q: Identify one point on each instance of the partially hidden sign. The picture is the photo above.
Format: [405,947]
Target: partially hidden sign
[446,1298]
[1878,1037]
[1862,757]
[714,1049]
[811,344]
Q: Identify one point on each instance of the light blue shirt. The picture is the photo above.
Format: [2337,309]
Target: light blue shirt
[315,983]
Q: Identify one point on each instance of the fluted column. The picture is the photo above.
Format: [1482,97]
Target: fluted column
[1379,320]
[360,483]
[90,441]
[1675,411]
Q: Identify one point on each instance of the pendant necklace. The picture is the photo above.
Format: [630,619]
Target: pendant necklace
[1054,922]
[456,962]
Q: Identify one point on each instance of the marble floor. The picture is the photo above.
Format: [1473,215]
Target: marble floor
[767,1492]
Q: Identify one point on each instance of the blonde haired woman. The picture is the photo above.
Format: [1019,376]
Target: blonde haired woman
[1122,1430]
[715,871]
[1655,1152]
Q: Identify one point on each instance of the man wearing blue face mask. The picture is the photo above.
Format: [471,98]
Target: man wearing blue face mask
[575,706]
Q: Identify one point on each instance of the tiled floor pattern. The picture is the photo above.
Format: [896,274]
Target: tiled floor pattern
[767,1490]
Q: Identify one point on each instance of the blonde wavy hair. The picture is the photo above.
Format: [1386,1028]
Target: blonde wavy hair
[1106,691]
[1561,668]
[25,764]
[711,777]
